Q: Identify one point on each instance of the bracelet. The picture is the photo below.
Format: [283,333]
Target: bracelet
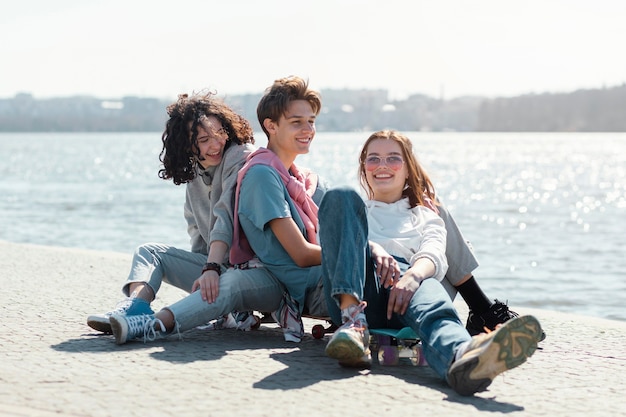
[212,266]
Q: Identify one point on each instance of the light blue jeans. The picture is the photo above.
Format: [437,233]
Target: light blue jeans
[239,290]
[155,263]
[348,269]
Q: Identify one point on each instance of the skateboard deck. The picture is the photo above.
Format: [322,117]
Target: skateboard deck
[403,333]
[393,344]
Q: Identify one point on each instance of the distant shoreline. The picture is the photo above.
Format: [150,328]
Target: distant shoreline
[592,110]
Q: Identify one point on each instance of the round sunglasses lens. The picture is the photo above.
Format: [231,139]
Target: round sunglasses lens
[394,162]
[372,163]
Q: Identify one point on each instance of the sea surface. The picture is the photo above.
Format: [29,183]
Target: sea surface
[545,212]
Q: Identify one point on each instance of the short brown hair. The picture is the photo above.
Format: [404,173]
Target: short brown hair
[276,99]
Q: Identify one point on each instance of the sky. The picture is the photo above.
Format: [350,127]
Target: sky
[442,48]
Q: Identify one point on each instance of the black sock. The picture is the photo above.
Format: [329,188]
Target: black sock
[474,296]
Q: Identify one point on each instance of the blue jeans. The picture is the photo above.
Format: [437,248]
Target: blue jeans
[348,269]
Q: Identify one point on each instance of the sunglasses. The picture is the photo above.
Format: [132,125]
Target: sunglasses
[394,162]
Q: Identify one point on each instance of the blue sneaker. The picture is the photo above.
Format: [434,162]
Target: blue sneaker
[126,307]
[127,328]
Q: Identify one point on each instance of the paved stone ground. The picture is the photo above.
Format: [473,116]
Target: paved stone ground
[53,364]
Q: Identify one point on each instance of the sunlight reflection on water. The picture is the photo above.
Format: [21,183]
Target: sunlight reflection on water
[545,212]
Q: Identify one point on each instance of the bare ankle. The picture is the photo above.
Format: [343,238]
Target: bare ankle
[167,318]
[141,290]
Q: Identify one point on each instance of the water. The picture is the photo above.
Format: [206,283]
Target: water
[546,213]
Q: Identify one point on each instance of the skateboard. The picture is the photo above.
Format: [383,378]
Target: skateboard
[391,345]
[318,331]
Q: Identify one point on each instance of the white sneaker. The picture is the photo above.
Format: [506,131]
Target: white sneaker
[350,342]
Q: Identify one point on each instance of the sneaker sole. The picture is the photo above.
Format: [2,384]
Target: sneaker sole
[364,362]
[99,325]
[344,349]
[511,345]
[119,328]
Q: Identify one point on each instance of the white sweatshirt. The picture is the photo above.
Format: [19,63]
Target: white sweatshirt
[409,233]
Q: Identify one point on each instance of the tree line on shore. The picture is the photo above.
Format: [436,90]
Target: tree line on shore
[590,110]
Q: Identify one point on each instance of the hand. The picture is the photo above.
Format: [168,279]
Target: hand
[208,284]
[387,268]
[401,294]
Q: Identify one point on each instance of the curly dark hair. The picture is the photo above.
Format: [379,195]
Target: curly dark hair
[180,138]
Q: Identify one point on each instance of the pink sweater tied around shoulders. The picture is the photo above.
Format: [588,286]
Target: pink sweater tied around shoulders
[300,184]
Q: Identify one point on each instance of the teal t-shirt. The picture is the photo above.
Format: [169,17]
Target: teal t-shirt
[263,197]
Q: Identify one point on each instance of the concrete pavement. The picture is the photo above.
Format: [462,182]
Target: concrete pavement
[52,364]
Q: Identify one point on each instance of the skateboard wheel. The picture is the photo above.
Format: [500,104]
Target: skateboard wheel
[318,331]
[388,355]
[421,360]
[415,356]
[257,323]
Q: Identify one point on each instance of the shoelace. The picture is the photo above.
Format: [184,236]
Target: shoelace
[145,325]
[150,333]
[122,306]
[353,319]
[502,311]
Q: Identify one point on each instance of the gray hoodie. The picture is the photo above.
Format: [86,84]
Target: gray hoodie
[209,200]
